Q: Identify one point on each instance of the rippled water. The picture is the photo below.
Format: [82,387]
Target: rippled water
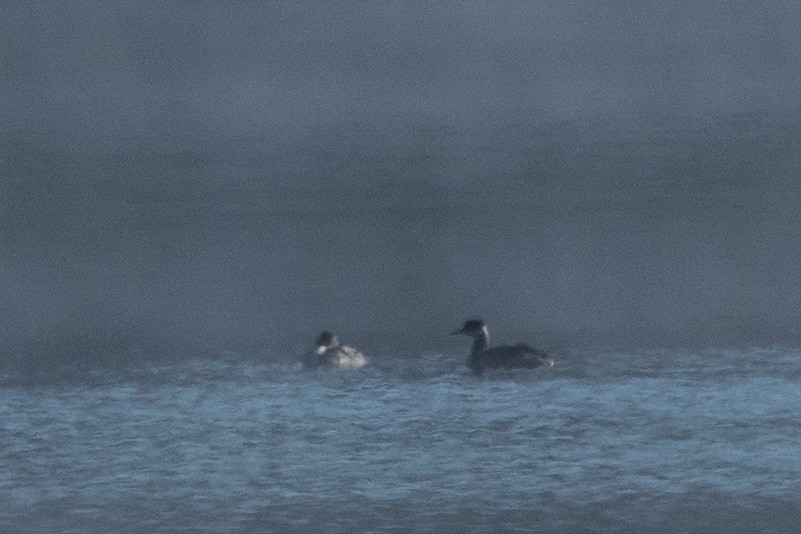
[669,441]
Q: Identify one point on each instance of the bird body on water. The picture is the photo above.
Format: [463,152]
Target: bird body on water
[520,356]
[331,352]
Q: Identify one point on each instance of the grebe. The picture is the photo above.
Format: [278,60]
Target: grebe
[507,356]
[330,352]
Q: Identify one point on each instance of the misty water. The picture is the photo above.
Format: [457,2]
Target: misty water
[191,192]
[157,301]
[656,441]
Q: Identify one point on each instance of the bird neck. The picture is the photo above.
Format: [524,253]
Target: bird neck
[480,341]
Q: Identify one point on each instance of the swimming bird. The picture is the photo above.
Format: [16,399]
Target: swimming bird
[506,356]
[331,352]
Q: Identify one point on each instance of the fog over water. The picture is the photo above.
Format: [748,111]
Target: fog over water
[191,191]
[183,176]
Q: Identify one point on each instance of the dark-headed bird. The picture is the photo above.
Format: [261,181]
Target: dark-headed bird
[520,356]
[329,351]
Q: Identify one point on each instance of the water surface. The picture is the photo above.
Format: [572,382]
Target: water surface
[659,440]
